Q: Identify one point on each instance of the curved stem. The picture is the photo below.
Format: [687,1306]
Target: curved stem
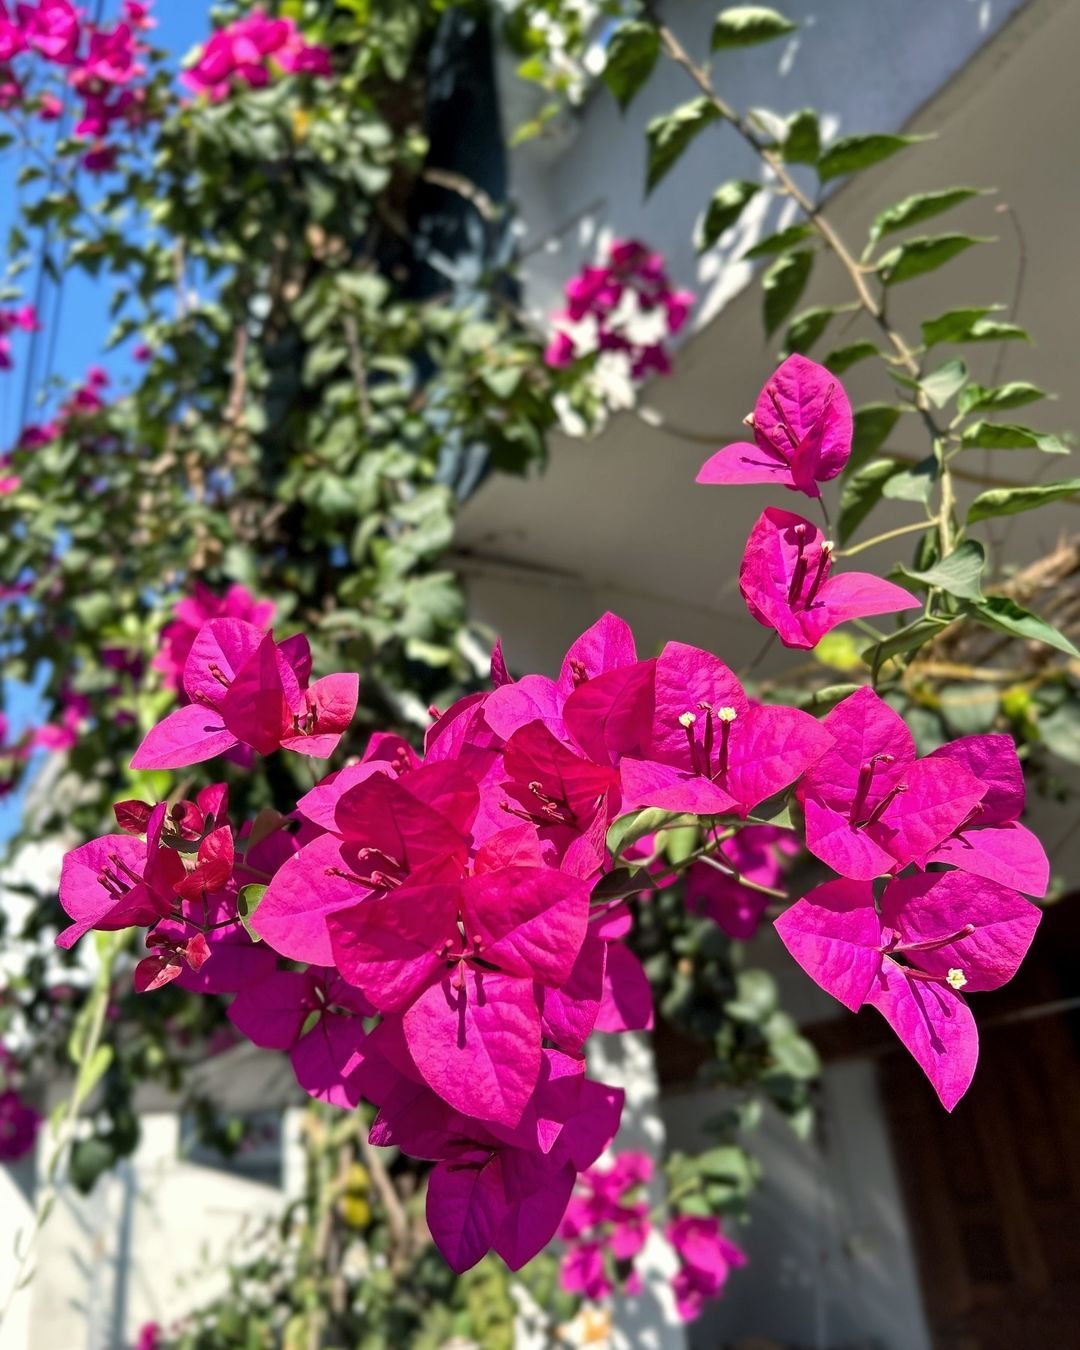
[884,538]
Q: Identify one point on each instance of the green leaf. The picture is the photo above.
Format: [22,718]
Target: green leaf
[1015,394]
[822,701]
[247,902]
[998,611]
[779,242]
[1008,436]
[782,285]
[631,56]
[959,573]
[747,25]
[89,1159]
[873,424]
[755,996]
[969,709]
[668,136]
[861,493]
[725,208]
[920,207]
[914,484]
[944,383]
[1060,730]
[628,829]
[850,154]
[802,141]
[843,358]
[907,640]
[969,325]
[1010,501]
[926,253]
[806,328]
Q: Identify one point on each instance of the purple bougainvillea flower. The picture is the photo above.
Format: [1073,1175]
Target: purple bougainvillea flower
[711,751]
[991,841]
[933,936]
[802,433]
[119,881]
[786,583]
[706,1257]
[871,807]
[385,832]
[246,689]
[318,1018]
[606,646]
[19,1125]
[471,1016]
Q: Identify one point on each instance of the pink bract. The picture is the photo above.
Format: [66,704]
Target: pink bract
[786,580]
[802,428]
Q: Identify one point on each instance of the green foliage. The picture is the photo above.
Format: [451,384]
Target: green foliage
[923,254]
[668,136]
[919,207]
[970,325]
[726,206]
[958,574]
[1009,501]
[782,284]
[747,25]
[631,55]
[851,154]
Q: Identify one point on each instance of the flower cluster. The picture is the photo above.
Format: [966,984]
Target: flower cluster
[23,319]
[706,1257]
[192,612]
[626,306]
[441,933]
[248,51]
[19,1123]
[101,64]
[605,1226]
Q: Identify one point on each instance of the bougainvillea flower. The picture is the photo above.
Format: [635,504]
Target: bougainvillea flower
[562,794]
[754,853]
[802,428]
[246,689]
[786,581]
[52,28]
[934,936]
[318,1019]
[494,1188]
[991,841]
[197,609]
[461,963]
[212,866]
[118,881]
[706,1257]
[12,41]
[605,1214]
[384,753]
[607,646]
[247,49]
[871,807]
[19,1125]
[168,959]
[711,750]
[385,831]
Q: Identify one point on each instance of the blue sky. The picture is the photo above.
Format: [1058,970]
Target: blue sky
[83,308]
[84,322]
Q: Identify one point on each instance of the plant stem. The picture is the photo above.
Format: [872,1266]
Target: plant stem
[857,271]
[884,538]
